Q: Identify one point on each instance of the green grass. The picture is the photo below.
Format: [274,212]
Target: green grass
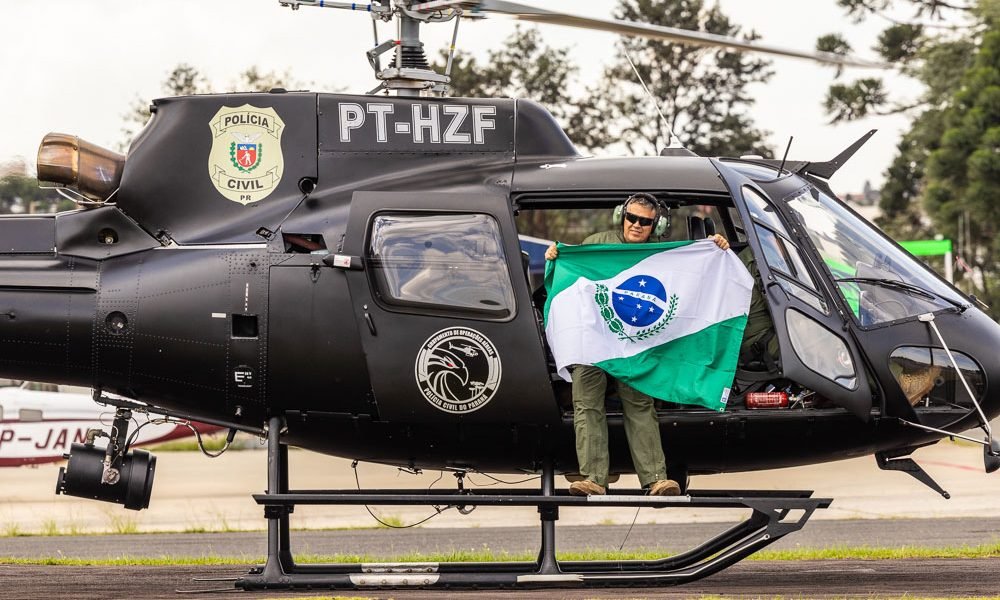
[50,527]
[118,526]
[388,521]
[869,553]
[486,555]
[212,444]
[121,524]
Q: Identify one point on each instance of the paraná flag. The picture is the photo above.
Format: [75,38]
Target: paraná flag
[666,318]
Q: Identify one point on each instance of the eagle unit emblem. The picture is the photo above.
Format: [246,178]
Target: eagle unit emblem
[246,163]
[458,370]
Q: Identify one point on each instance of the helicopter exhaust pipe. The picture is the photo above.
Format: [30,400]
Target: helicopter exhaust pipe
[66,161]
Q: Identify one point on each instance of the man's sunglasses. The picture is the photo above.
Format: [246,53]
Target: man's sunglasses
[642,221]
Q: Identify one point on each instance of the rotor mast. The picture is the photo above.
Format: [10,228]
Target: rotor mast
[408,73]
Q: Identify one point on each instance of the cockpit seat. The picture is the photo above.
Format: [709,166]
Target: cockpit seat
[700,228]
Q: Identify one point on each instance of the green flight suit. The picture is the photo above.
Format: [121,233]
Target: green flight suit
[590,420]
[760,327]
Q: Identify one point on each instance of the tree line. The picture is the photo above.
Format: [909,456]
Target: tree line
[944,179]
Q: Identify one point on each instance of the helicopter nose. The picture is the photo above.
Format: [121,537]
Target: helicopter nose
[974,341]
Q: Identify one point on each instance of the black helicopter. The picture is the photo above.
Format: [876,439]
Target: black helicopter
[307,266]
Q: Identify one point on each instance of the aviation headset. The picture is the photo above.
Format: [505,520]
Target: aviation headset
[662,224]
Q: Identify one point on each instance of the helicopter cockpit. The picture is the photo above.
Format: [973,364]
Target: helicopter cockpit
[832,282]
[878,284]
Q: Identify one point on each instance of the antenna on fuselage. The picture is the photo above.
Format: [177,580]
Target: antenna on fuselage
[673,142]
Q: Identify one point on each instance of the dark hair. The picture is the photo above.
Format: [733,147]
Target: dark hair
[643,199]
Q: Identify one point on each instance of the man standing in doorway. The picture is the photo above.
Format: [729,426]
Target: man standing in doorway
[640,217]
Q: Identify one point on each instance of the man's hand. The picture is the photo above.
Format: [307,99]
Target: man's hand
[552,253]
[720,241]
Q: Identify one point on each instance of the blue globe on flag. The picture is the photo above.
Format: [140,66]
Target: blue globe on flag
[639,301]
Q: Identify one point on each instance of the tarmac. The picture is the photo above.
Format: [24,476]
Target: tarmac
[193,493]
[385,544]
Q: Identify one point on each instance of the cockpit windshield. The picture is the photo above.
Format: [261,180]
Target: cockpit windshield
[880,282]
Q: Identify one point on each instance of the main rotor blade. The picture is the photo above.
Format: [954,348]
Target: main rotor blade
[656,32]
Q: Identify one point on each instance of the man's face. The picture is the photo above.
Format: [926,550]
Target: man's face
[633,231]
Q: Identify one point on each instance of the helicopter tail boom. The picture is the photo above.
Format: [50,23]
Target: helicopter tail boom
[47,305]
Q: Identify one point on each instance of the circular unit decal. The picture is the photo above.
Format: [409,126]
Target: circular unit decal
[458,370]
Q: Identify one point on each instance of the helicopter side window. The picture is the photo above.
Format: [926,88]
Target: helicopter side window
[781,255]
[694,222]
[786,264]
[761,210]
[774,251]
[451,263]
[927,377]
[779,251]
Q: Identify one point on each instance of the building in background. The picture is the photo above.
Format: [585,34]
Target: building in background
[865,202]
[16,166]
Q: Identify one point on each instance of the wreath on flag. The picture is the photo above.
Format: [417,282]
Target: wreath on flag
[617,327]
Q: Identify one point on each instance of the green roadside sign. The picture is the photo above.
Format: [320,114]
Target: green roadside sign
[927,247]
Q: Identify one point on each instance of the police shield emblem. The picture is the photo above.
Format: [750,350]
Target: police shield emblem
[246,163]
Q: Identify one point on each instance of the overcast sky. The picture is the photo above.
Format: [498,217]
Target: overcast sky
[76,66]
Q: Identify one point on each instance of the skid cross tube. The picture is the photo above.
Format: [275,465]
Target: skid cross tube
[768,522]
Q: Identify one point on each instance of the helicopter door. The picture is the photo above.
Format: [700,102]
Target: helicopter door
[444,309]
[816,351]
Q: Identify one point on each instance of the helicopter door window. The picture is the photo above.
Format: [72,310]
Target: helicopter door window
[761,210]
[779,251]
[781,255]
[774,251]
[821,350]
[443,263]
[804,295]
[786,264]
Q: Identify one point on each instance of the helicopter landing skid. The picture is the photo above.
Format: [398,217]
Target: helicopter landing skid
[769,522]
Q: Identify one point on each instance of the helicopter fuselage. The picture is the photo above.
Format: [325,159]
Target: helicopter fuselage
[354,264]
